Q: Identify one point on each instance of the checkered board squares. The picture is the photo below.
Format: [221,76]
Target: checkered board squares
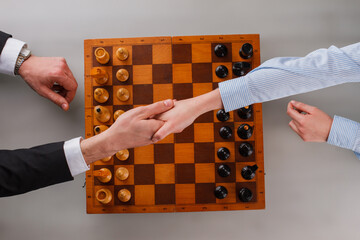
[179,173]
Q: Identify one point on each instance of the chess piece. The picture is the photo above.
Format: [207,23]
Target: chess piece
[245,195]
[123,155]
[99,129]
[99,75]
[221,192]
[223,153]
[124,195]
[106,159]
[245,112]
[103,175]
[123,94]
[122,173]
[245,149]
[246,51]
[222,115]
[102,114]
[102,56]
[241,68]
[101,95]
[224,170]
[118,113]
[225,132]
[245,131]
[220,50]
[221,71]
[248,172]
[103,195]
[122,75]
[122,54]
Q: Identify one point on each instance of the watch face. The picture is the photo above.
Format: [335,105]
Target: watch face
[25,52]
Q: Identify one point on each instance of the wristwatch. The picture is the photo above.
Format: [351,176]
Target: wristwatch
[24,54]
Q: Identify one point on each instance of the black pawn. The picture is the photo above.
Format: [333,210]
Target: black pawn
[248,172]
[245,195]
[245,112]
[241,68]
[221,71]
[246,51]
[220,50]
[222,115]
[223,153]
[245,131]
[220,192]
[245,149]
[226,132]
[224,170]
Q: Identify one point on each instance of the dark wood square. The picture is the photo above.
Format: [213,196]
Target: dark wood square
[201,72]
[218,126]
[144,174]
[204,152]
[164,194]
[239,119]
[117,188]
[215,85]
[164,153]
[109,101]
[205,118]
[111,168]
[204,193]
[96,63]
[142,54]
[182,91]
[162,73]
[128,161]
[250,185]
[181,53]
[227,58]
[184,173]
[122,107]
[128,68]
[240,158]
[231,178]
[142,94]
[186,136]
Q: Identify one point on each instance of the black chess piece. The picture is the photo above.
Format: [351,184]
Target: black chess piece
[222,115]
[97,129]
[246,51]
[224,170]
[245,131]
[221,192]
[223,153]
[221,71]
[245,112]
[220,50]
[245,149]
[245,195]
[248,172]
[225,132]
[241,68]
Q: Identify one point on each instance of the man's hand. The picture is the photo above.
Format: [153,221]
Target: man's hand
[310,123]
[41,74]
[132,129]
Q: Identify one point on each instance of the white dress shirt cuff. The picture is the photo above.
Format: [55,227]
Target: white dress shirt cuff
[9,55]
[74,157]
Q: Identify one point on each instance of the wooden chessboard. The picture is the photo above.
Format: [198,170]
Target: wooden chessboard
[179,173]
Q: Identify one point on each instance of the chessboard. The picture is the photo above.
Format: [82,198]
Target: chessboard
[215,164]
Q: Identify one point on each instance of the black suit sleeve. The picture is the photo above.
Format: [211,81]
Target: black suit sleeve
[25,170]
[3,38]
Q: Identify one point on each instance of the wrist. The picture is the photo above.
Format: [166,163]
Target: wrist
[208,102]
[24,54]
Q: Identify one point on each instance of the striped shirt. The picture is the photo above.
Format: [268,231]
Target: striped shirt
[286,76]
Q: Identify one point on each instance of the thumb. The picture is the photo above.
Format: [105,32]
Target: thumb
[162,132]
[158,107]
[302,107]
[55,98]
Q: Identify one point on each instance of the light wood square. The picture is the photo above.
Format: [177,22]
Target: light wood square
[128,61]
[164,173]
[117,101]
[162,92]
[144,195]
[144,155]
[201,88]
[185,193]
[162,54]
[142,74]
[231,197]
[168,139]
[204,172]
[184,153]
[201,53]
[182,73]
[130,180]
[204,132]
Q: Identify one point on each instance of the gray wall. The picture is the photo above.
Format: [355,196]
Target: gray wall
[312,190]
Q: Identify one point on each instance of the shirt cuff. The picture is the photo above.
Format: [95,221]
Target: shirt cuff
[74,157]
[345,133]
[9,55]
[235,93]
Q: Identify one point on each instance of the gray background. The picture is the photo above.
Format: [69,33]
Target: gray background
[312,190]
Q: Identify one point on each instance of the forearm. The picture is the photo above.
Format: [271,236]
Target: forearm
[208,102]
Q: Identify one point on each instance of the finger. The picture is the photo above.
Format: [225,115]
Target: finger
[294,127]
[162,132]
[294,114]
[55,98]
[158,107]
[302,107]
